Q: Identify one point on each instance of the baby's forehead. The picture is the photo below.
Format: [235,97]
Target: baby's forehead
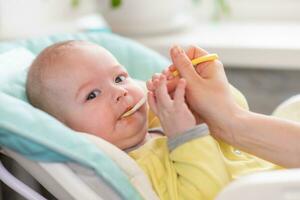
[59,52]
[69,69]
[81,60]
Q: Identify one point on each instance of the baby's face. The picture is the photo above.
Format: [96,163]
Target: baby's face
[96,91]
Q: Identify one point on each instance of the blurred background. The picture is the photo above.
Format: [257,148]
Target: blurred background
[257,40]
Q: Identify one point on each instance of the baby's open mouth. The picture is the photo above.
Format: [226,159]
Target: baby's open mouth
[130,110]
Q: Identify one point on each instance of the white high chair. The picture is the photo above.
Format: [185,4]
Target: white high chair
[73,181]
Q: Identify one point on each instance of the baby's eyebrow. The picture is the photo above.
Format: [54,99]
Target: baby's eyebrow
[119,66]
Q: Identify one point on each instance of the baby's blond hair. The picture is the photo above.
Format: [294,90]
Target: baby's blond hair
[39,90]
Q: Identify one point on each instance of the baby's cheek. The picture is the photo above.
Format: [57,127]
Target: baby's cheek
[139,87]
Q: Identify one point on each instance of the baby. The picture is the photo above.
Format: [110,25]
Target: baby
[86,88]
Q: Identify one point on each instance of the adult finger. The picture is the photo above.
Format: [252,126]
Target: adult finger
[183,64]
[210,69]
[195,52]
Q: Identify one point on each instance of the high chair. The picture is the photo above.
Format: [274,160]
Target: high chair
[73,165]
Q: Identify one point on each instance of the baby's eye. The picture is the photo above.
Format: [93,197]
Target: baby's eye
[93,94]
[120,78]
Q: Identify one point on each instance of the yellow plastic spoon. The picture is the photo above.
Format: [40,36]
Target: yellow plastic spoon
[135,108]
[196,61]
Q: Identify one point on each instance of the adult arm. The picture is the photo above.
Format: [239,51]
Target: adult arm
[208,94]
[271,138]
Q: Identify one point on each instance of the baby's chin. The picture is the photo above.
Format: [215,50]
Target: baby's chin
[140,140]
[134,140]
[136,127]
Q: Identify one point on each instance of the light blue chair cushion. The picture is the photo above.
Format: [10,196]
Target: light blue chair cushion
[37,135]
[140,62]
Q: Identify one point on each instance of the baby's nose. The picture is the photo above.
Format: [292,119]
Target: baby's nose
[121,95]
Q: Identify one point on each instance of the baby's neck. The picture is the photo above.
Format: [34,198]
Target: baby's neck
[145,139]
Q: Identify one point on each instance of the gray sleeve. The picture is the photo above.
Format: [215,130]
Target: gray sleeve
[196,132]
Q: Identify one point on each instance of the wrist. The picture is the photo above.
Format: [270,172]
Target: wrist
[237,126]
[228,126]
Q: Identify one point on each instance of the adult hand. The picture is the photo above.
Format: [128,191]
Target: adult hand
[208,92]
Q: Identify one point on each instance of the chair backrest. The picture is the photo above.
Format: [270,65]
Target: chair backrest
[38,136]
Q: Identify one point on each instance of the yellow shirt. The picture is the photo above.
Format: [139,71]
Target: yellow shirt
[197,169]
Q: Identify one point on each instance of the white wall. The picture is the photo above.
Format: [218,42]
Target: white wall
[251,10]
[29,18]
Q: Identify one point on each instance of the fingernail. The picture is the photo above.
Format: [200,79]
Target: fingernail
[177,50]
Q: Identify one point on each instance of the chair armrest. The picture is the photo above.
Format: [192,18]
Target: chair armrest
[275,185]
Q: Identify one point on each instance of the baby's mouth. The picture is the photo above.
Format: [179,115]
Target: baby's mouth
[127,110]
[132,109]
